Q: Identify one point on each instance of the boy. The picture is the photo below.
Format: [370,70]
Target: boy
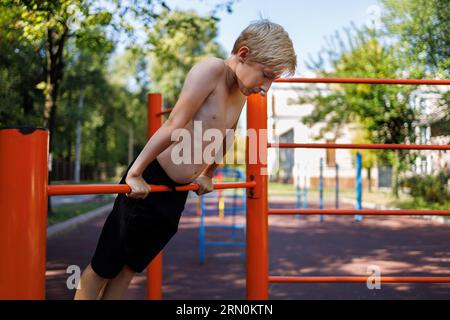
[214,93]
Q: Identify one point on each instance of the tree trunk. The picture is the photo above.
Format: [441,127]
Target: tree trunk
[396,174]
[130,143]
[274,130]
[369,178]
[78,140]
[54,49]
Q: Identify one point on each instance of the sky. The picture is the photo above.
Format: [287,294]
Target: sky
[308,22]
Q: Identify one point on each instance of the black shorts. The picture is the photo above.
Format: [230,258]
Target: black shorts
[136,230]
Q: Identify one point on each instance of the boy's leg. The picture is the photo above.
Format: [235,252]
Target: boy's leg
[91,285]
[117,287]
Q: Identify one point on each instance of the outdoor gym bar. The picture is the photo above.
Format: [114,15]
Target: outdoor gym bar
[57,190]
[366,80]
[368,212]
[358,146]
[345,279]
[258,278]
[24,192]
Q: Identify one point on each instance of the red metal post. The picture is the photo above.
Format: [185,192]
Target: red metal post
[154,270]
[365,212]
[23,212]
[71,189]
[257,221]
[359,146]
[435,82]
[353,279]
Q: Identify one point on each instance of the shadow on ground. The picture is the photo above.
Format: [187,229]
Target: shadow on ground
[303,246]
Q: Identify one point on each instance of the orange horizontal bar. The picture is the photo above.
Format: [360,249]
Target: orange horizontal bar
[347,279]
[367,212]
[164,112]
[65,189]
[359,146]
[366,80]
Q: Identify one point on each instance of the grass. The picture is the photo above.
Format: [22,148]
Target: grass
[107,181]
[384,198]
[67,211]
[419,203]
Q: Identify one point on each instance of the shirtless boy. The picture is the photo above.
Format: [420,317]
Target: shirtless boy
[214,93]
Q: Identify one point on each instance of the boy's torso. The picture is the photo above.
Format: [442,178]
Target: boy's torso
[220,110]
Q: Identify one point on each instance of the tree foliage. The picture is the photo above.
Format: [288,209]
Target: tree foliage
[54,54]
[179,40]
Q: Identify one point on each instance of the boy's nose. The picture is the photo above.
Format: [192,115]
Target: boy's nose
[266,86]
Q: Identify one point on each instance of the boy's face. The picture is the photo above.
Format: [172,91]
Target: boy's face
[253,77]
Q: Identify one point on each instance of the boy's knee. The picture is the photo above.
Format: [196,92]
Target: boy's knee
[90,272]
[128,271]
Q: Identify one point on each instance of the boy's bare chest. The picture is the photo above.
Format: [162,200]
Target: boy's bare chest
[220,110]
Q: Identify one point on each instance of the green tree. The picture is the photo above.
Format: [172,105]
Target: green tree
[20,70]
[53,22]
[49,24]
[179,40]
[422,33]
[129,71]
[383,111]
[85,84]
[369,157]
[421,27]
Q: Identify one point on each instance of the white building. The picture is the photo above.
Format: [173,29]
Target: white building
[302,166]
[432,113]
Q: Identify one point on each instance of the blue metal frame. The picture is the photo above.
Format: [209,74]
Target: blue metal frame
[358,217]
[233,210]
[321,188]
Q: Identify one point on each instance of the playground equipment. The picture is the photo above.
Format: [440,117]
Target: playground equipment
[259,279]
[358,217]
[23,205]
[216,203]
[24,191]
[336,188]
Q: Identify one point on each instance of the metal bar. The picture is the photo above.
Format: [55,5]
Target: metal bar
[164,112]
[72,189]
[154,270]
[358,146]
[349,279]
[369,212]
[257,232]
[23,212]
[366,80]
[359,190]
[224,243]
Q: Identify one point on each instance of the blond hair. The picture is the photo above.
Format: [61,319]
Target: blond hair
[269,45]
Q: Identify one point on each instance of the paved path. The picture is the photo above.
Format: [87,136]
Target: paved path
[297,246]
[60,200]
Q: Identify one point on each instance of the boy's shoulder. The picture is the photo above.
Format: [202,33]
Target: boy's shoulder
[211,64]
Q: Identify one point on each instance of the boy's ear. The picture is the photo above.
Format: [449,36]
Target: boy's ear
[243,53]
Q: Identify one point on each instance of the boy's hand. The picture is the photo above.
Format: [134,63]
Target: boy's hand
[205,183]
[139,187]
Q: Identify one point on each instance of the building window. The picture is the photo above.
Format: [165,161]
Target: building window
[423,165]
[423,135]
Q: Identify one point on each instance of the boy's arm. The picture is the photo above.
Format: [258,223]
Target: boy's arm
[200,81]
